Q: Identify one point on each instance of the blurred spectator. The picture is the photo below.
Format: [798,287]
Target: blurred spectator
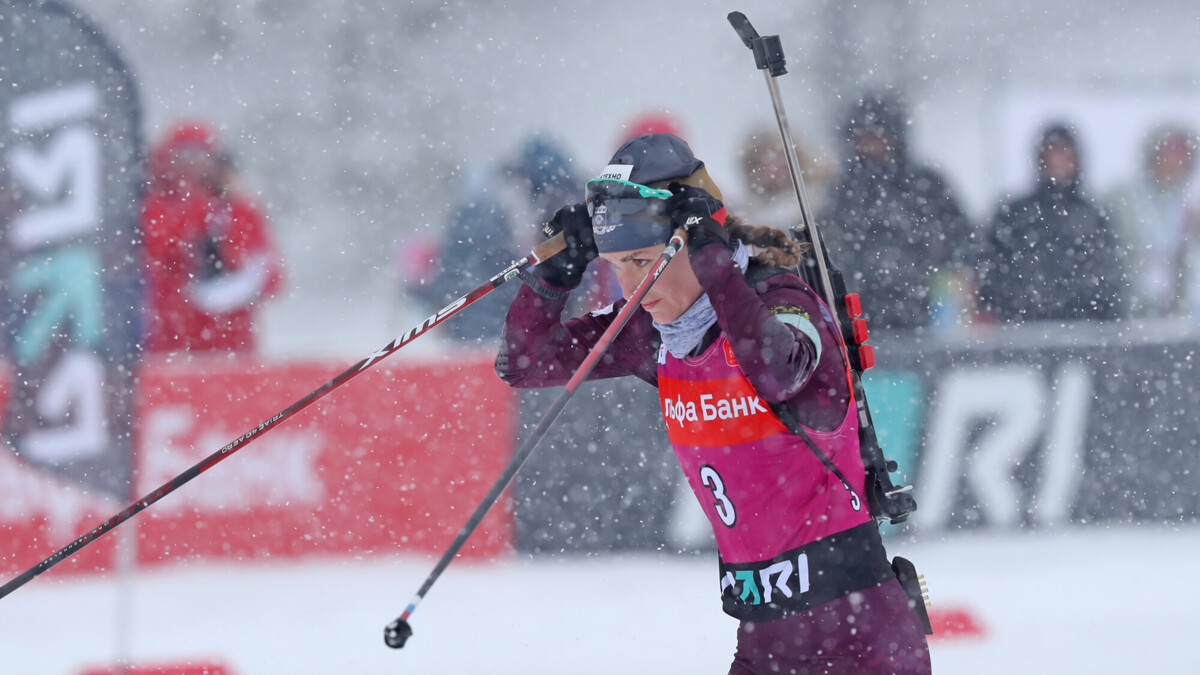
[416,257]
[770,198]
[891,224]
[1051,255]
[502,203]
[1158,226]
[543,171]
[476,244]
[648,122]
[210,257]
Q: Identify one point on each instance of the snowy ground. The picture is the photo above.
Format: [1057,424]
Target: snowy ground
[1095,601]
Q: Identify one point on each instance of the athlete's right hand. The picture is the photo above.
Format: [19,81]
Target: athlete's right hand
[702,214]
[565,269]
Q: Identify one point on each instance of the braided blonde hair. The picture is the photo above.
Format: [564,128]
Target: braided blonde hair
[770,246]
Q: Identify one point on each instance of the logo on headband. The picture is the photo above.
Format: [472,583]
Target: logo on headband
[617,171]
[599,220]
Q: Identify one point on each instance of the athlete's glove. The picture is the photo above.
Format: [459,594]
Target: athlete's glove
[700,213]
[565,269]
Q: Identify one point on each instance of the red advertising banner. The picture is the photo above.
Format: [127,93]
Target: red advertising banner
[392,462]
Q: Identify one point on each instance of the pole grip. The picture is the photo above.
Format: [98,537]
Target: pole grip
[768,50]
[744,30]
[549,248]
[679,238]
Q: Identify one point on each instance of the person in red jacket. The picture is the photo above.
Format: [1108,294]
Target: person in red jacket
[209,253]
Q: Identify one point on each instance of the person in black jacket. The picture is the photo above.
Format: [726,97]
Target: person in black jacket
[500,203]
[1052,255]
[893,224]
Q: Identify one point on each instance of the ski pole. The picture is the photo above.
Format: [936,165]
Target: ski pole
[768,56]
[545,250]
[397,632]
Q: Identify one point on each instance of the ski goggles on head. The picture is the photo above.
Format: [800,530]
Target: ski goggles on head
[627,216]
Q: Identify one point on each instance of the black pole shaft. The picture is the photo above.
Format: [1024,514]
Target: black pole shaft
[397,632]
[547,249]
[769,58]
[493,495]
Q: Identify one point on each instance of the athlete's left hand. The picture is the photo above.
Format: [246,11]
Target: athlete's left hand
[700,213]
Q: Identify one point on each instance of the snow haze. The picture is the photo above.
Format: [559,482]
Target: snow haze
[358,125]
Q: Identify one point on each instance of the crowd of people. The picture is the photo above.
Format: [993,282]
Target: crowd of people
[1058,252]
[895,226]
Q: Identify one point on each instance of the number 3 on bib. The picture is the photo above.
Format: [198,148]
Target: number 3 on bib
[712,480]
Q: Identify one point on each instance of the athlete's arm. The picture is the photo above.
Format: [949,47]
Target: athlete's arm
[538,349]
[775,337]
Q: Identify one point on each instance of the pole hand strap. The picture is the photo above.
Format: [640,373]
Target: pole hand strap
[531,280]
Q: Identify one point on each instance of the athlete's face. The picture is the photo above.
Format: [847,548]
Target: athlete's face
[676,290]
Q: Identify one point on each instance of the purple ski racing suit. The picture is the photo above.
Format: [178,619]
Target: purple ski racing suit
[802,565]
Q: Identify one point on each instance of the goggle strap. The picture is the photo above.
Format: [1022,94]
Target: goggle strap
[643,190]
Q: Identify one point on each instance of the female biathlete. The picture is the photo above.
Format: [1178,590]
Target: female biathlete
[802,565]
